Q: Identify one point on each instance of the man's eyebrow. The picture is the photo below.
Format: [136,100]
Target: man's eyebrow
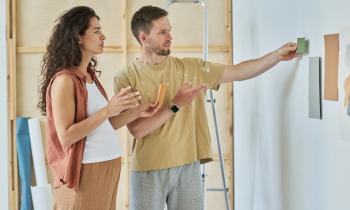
[165,29]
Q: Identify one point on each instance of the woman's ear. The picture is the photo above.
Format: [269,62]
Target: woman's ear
[79,39]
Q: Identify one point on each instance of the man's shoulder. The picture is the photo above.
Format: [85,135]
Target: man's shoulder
[125,70]
[121,74]
[128,68]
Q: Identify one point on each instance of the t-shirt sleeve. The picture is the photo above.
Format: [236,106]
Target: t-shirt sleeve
[120,81]
[211,73]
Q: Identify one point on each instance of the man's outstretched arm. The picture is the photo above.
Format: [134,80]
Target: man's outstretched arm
[252,68]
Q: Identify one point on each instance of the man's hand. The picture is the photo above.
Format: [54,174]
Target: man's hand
[287,52]
[187,93]
[148,110]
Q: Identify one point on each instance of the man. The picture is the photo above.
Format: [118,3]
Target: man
[169,146]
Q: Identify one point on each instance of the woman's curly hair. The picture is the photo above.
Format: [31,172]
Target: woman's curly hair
[63,49]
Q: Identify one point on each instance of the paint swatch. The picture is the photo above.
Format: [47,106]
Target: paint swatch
[302,46]
[348,109]
[161,94]
[331,42]
[315,102]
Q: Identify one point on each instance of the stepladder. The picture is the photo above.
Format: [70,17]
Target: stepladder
[211,100]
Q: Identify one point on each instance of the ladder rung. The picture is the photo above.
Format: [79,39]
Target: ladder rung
[217,189]
[209,101]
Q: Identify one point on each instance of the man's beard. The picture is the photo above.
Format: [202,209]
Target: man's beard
[162,52]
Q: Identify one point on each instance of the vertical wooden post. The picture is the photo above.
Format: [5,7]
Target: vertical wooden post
[125,135]
[229,104]
[11,43]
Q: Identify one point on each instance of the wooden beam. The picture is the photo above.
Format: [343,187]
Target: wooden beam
[12,58]
[11,43]
[24,49]
[229,104]
[124,50]
[132,49]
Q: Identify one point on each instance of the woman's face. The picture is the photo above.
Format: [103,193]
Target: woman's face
[92,41]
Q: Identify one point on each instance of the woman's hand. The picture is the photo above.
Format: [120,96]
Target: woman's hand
[122,101]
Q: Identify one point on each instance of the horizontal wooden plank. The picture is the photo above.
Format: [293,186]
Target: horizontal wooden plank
[133,49]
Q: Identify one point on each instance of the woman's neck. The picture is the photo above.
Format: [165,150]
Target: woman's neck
[83,67]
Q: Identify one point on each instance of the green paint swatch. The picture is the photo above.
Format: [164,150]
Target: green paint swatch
[302,46]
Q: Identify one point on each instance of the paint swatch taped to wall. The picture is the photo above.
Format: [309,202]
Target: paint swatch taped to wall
[331,42]
[348,109]
[302,46]
[344,85]
[346,88]
[315,102]
[347,94]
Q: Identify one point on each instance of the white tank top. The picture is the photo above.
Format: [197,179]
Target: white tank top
[101,144]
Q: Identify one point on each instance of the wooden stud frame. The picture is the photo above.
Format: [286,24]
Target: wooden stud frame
[229,105]
[133,49]
[11,43]
[125,165]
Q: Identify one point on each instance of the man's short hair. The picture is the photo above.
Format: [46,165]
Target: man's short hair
[142,19]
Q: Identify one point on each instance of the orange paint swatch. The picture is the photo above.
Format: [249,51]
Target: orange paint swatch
[161,94]
[331,42]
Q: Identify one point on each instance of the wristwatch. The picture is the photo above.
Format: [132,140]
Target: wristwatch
[174,108]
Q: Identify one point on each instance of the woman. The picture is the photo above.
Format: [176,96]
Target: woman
[83,150]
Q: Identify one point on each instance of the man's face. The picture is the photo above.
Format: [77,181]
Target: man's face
[159,38]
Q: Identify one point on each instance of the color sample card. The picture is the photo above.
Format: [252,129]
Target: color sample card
[302,46]
[161,94]
[344,85]
[315,102]
[331,42]
[348,110]
[346,93]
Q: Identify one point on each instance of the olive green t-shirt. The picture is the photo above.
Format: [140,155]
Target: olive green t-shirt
[185,137]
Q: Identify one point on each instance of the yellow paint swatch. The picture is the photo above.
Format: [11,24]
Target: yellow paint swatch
[161,94]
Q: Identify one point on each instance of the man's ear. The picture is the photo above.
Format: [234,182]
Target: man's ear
[142,37]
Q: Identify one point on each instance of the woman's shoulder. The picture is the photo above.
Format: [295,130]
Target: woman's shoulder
[64,76]
[63,80]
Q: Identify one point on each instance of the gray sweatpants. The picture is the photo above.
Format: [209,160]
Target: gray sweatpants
[179,187]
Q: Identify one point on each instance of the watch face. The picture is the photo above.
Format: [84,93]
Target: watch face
[174,108]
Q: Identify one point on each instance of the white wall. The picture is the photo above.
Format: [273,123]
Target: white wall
[3,111]
[285,160]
